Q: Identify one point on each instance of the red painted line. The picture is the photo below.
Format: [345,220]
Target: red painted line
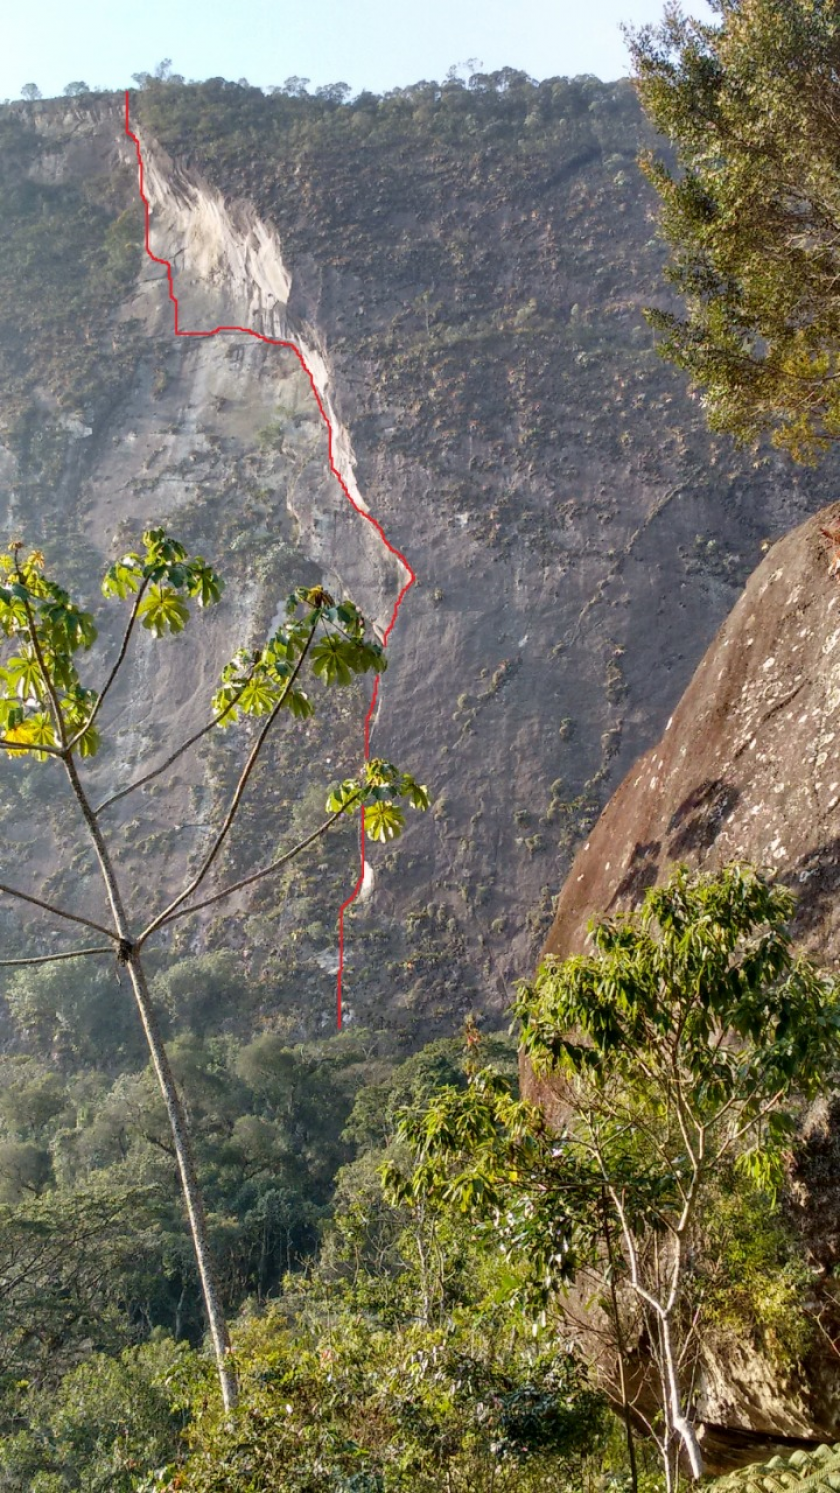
[279,342]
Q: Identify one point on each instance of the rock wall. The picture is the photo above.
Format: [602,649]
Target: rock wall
[475,289]
[747,766]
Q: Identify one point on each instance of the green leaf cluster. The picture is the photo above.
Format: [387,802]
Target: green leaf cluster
[167,576]
[44,704]
[331,635]
[698,995]
[47,629]
[488,1155]
[376,791]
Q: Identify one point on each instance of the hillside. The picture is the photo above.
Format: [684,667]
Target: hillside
[467,269]
[457,274]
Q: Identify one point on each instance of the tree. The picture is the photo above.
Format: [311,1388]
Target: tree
[47,713]
[294,87]
[685,1041]
[478,1150]
[162,74]
[30,91]
[60,1255]
[334,93]
[751,211]
[109,1420]
[75,90]
[683,1046]
[356,1400]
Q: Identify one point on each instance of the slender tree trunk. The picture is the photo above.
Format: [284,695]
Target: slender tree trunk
[619,1339]
[668,1462]
[676,1423]
[189,1181]
[425,1286]
[171,1098]
[671,1387]
[179,1314]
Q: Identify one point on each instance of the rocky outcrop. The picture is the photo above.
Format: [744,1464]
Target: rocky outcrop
[747,768]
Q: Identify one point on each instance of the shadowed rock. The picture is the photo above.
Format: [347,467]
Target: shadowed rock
[747,766]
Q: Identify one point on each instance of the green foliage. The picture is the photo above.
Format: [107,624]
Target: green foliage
[256,684]
[680,1051]
[489,1156]
[208,993]
[698,995]
[45,705]
[757,1283]
[61,1258]
[165,574]
[60,1011]
[814,1470]
[685,1044]
[267,1119]
[336,1405]
[46,712]
[752,212]
[109,1420]
[397,1361]
[47,628]
[380,785]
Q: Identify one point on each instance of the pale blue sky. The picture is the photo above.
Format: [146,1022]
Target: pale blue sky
[376,44]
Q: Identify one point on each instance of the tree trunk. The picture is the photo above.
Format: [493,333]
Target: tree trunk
[189,1182]
[619,1339]
[171,1098]
[671,1388]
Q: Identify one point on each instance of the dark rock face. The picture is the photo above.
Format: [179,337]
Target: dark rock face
[747,767]
[475,281]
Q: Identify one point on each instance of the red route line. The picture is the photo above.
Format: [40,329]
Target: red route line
[279,342]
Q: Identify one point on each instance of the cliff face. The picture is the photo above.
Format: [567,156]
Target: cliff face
[746,767]
[463,275]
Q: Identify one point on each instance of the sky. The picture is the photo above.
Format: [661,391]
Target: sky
[373,44]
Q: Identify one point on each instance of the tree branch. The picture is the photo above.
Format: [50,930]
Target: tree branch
[54,958]
[179,752]
[117,666]
[235,800]
[58,912]
[236,886]
[30,746]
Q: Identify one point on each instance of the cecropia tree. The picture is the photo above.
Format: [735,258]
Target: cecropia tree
[49,714]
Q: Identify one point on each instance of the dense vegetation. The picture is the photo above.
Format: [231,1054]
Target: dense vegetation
[398,1234]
